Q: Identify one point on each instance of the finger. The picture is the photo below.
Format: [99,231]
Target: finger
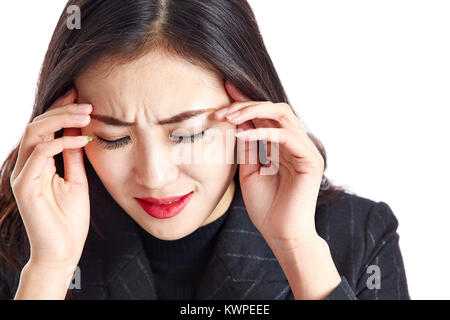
[74,171]
[67,101]
[43,131]
[37,130]
[45,152]
[68,108]
[237,106]
[233,107]
[280,114]
[242,101]
[239,100]
[279,136]
[26,145]
[247,153]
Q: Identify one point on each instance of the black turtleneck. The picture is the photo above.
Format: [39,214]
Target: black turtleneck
[178,265]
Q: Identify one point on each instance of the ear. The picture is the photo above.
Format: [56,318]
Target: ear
[68,98]
[235,93]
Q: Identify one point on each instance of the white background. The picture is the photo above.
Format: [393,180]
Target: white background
[371,79]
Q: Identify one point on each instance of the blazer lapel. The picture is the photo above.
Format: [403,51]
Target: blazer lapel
[120,272]
[113,264]
[242,265]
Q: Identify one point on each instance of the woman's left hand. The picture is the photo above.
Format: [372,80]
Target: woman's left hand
[280,196]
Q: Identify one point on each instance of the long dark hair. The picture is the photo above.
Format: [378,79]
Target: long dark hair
[219,35]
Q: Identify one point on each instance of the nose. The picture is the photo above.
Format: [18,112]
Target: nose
[154,167]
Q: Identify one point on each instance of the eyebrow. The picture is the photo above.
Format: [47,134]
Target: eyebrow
[175,119]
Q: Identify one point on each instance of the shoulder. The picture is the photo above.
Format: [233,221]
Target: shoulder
[356,214]
[355,228]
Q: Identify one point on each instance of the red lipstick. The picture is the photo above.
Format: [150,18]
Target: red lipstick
[164,208]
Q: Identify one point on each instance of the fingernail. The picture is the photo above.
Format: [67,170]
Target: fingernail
[84,138]
[84,106]
[222,112]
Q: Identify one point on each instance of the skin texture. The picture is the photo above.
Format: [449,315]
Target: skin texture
[145,91]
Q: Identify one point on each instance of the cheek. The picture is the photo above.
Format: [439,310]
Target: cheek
[217,153]
[111,167]
[218,147]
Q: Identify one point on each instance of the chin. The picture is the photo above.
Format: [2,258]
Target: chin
[171,232]
[170,235]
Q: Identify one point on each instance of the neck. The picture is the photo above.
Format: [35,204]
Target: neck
[223,204]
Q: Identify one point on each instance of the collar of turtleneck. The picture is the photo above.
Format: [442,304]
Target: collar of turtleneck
[178,264]
[188,250]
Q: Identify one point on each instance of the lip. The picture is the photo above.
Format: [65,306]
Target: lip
[161,209]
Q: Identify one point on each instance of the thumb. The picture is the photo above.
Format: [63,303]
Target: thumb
[247,153]
[74,171]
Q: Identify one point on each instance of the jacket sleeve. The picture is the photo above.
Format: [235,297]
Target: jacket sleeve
[379,273]
[5,290]
[9,278]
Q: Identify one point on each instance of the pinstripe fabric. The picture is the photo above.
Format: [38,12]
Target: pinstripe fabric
[360,233]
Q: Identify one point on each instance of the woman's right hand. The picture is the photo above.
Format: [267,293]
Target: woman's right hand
[54,210]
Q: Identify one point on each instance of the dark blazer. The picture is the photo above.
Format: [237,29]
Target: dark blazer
[360,233]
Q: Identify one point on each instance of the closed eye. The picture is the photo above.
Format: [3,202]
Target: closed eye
[188,139]
[115,144]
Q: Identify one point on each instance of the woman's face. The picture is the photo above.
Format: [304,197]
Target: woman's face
[151,160]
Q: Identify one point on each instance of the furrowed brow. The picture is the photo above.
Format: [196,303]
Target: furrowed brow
[185,116]
[174,119]
[112,121]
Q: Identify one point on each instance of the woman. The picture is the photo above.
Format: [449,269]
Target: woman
[158,86]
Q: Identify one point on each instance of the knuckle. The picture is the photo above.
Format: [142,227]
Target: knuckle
[16,186]
[29,128]
[319,161]
[40,147]
[285,108]
[37,118]
[12,181]
[53,106]
[72,108]
[42,115]
[281,116]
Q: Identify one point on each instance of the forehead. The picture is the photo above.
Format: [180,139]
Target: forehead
[166,84]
